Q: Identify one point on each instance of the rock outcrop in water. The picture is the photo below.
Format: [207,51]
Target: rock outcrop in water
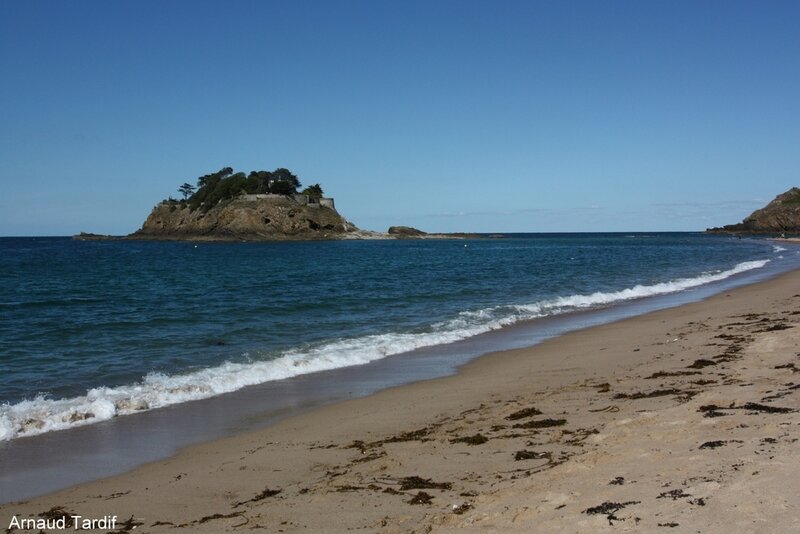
[405,231]
[782,215]
[270,218]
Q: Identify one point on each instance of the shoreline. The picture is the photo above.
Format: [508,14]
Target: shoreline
[350,460]
[138,438]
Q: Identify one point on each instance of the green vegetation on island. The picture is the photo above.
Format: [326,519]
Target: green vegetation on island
[224,184]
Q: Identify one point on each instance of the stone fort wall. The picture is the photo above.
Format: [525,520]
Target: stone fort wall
[303,200]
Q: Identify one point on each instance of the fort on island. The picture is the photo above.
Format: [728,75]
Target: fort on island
[303,200]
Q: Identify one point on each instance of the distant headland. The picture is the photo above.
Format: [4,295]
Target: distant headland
[781,216]
[259,206]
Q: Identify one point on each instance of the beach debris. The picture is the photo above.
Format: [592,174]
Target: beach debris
[618,481]
[532,455]
[57,513]
[459,509]
[348,487]
[421,498]
[611,409]
[670,525]
[673,494]
[212,517]
[649,394]
[477,439]
[666,374]
[609,509]
[370,457]
[775,327]
[755,407]
[522,414]
[414,435]
[129,524]
[415,482]
[713,444]
[541,423]
[358,444]
[579,436]
[712,410]
[702,362]
[260,497]
[605,387]
[704,382]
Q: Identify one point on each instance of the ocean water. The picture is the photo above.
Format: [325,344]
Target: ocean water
[95,330]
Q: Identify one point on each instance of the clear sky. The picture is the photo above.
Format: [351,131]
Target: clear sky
[444,115]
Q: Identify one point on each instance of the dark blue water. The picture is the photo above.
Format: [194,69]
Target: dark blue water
[92,330]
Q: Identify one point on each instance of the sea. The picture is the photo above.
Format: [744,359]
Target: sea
[93,332]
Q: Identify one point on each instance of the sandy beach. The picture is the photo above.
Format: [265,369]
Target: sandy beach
[682,419]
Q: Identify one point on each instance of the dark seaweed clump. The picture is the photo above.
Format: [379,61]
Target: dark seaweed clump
[477,439]
[522,414]
[532,455]
[421,498]
[702,362]
[542,423]
[415,482]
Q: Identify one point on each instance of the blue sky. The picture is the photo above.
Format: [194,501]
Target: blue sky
[449,116]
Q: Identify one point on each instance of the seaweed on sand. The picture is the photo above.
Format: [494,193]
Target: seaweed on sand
[673,494]
[542,423]
[421,498]
[609,509]
[713,444]
[665,374]
[414,435]
[58,512]
[649,394]
[260,497]
[702,362]
[415,482]
[477,439]
[532,455]
[522,414]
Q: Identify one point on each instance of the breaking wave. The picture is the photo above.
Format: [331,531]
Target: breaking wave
[42,414]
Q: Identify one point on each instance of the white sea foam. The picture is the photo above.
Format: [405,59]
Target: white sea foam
[778,248]
[42,414]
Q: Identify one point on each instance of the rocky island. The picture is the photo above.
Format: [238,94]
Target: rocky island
[781,216]
[261,206]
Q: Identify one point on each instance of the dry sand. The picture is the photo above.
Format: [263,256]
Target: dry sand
[682,420]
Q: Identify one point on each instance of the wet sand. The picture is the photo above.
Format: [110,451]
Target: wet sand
[682,419]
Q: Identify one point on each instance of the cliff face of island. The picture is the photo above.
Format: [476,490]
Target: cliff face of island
[248,218]
[782,215]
